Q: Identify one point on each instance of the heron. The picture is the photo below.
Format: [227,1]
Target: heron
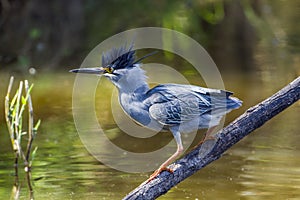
[178,108]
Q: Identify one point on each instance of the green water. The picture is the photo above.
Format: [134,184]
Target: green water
[264,165]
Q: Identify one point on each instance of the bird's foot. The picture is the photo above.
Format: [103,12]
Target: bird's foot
[209,137]
[157,172]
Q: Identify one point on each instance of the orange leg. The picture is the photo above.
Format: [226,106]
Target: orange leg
[207,136]
[164,166]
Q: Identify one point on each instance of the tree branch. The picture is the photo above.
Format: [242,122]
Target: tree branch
[209,151]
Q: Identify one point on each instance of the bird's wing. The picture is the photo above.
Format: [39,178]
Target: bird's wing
[172,104]
[174,112]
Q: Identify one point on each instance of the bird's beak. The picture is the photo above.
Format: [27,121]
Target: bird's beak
[92,70]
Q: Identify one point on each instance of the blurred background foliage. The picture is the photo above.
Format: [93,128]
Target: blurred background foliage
[51,35]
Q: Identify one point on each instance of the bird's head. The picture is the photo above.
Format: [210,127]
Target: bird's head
[116,64]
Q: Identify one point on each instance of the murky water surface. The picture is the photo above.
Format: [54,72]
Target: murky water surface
[264,165]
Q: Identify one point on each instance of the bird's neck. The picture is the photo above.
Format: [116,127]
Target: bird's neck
[134,82]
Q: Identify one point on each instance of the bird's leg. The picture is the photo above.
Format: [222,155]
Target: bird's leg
[164,166]
[209,132]
[208,136]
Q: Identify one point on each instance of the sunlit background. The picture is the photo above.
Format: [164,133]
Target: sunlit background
[255,44]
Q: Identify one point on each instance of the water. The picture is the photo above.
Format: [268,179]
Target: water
[264,165]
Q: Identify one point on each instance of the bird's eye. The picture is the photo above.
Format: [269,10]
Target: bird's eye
[109,70]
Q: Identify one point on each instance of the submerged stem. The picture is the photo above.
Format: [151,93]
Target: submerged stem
[30,126]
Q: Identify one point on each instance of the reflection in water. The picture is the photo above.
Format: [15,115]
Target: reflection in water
[18,186]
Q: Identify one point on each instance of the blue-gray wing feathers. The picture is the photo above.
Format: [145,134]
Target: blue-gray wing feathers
[172,104]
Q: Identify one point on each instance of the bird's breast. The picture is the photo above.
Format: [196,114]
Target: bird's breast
[135,108]
[138,111]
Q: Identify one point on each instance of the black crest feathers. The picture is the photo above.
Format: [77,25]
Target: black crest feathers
[122,57]
[119,57]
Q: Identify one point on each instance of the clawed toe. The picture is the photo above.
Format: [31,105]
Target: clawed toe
[157,172]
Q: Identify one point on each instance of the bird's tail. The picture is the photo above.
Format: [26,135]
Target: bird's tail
[233,103]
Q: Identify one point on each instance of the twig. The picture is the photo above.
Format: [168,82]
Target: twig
[209,151]
[30,127]
[28,178]
[11,125]
[11,81]
[14,118]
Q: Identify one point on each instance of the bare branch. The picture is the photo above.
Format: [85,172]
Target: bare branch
[252,119]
